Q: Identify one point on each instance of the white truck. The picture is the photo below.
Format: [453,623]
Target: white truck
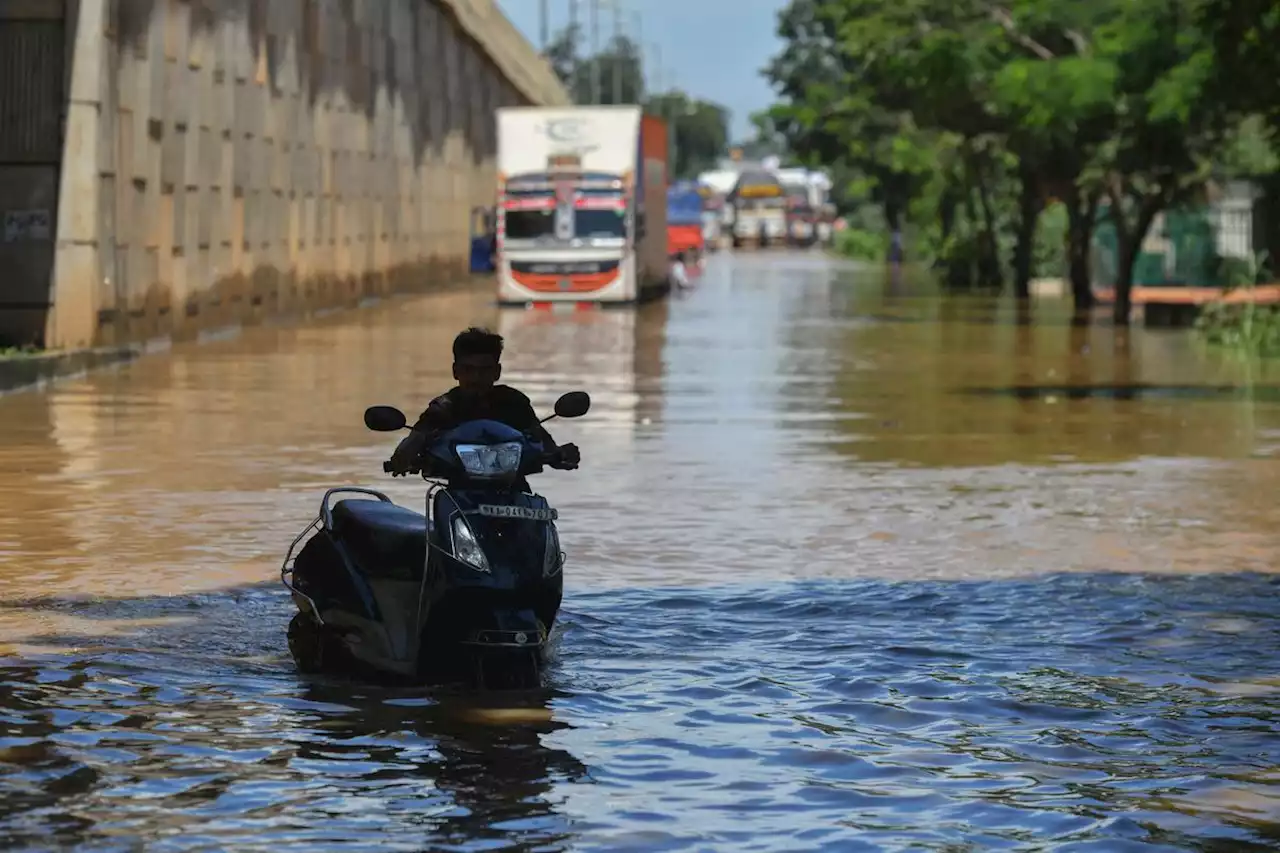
[759,209]
[582,205]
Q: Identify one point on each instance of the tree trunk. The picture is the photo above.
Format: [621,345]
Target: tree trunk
[989,271]
[893,219]
[1123,306]
[1129,240]
[1029,207]
[1082,208]
[967,270]
[947,206]
[988,248]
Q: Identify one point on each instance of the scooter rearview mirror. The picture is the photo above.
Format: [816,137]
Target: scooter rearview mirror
[575,404]
[384,418]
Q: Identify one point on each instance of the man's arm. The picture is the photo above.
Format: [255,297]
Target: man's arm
[405,458]
[567,456]
[434,418]
[524,414]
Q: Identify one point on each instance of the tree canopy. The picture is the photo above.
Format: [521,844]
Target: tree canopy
[700,129]
[964,118]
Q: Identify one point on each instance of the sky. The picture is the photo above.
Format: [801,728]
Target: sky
[712,49]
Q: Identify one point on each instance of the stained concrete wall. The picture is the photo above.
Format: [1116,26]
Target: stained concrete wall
[226,160]
[33,60]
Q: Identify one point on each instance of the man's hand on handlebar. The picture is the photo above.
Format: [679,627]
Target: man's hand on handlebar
[391,468]
[566,457]
[407,457]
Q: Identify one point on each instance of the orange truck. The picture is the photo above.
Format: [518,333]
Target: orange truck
[684,219]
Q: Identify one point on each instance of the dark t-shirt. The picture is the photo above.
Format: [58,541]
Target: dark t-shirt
[501,403]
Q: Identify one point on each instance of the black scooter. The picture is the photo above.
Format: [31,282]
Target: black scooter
[468,592]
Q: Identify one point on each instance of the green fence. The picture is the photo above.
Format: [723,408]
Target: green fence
[1189,260]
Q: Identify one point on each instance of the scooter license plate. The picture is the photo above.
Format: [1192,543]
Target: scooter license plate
[523,513]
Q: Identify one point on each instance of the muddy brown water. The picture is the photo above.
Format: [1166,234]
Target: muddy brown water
[852,567]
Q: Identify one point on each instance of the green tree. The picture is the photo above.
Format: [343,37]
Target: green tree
[563,57]
[766,141]
[1053,97]
[1168,127]
[1244,73]
[970,114]
[699,131]
[830,117]
[617,71]
[1240,45]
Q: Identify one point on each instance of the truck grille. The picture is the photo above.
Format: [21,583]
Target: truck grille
[563,268]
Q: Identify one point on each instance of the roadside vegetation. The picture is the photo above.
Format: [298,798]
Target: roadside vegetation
[1000,139]
[1245,327]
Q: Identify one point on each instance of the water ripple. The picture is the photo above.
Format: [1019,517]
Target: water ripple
[778,717]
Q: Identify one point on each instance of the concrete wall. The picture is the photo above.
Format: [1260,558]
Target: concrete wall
[33,59]
[226,160]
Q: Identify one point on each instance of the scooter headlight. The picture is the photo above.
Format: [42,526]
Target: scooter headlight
[465,546]
[490,460]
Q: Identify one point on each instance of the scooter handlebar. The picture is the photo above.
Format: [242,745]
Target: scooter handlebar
[554,459]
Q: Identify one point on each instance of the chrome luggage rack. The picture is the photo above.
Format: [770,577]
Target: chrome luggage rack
[325,520]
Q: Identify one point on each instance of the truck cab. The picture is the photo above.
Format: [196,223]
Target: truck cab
[574,224]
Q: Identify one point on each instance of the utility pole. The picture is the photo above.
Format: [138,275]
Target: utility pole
[575,42]
[575,61]
[637,42]
[595,51]
[658,79]
[617,52]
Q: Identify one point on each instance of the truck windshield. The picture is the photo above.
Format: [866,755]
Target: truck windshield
[530,224]
[599,224]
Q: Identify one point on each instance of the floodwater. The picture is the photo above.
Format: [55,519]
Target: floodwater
[851,568]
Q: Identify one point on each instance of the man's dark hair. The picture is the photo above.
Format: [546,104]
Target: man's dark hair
[477,341]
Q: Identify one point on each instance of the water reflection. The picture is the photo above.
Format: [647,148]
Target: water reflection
[917,386]
[174,715]
[489,777]
[614,355]
[92,754]
[1091,709]
[1096,709]
[1078,390]
[32,455]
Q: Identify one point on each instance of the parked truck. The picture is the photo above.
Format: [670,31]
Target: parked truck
[582,203]
[759,209]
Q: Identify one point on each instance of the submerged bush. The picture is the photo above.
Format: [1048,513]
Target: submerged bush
[862,245]
[1250,328]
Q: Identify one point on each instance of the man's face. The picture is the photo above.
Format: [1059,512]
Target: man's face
[476,372]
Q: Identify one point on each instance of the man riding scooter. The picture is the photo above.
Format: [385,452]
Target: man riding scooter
[477,355]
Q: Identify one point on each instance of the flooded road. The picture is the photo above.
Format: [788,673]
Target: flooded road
[849,569]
